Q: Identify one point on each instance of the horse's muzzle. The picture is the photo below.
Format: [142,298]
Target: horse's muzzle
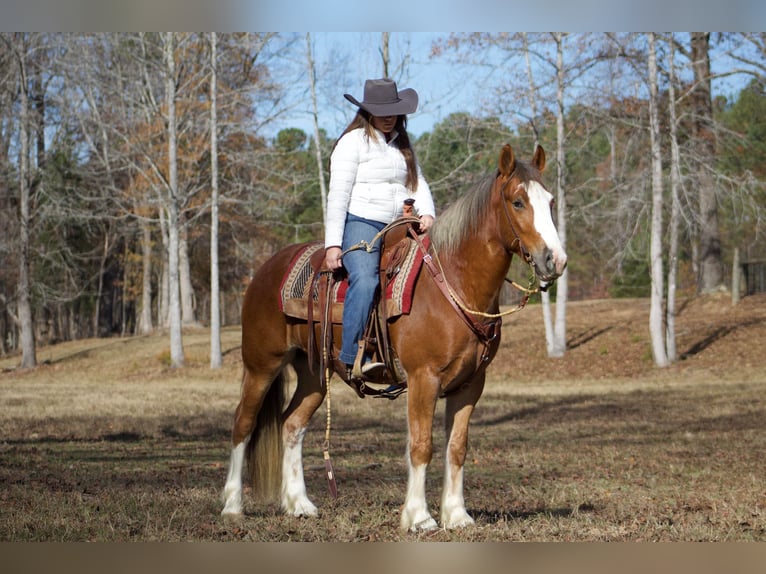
[550,264]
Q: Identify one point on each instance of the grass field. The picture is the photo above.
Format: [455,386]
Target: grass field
[104,442]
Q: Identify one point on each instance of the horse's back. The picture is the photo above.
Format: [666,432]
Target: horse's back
[269,276]
[262,316]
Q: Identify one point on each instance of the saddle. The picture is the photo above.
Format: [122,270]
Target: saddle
[311,292]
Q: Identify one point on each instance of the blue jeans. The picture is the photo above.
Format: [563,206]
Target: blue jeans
[363,280]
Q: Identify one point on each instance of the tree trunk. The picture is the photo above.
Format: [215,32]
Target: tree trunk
[215,296]
[735,278]
[532,95]
[384,53]
[172,207]
[188,313]
[317,139]
[26,323]
[100,286]
[657,287]
[145,318]
[710,258]
[163,301]
[562,283]
[675,212]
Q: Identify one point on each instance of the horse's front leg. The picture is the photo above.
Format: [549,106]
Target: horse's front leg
[460,406]
[422,393]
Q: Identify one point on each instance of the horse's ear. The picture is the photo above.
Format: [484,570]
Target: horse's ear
[507,161]
[539,158]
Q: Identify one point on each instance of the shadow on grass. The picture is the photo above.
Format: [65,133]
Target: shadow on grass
[86,352]
[716,335]
[495,516]
[586,336]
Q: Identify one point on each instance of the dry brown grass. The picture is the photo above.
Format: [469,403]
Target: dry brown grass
[104,442]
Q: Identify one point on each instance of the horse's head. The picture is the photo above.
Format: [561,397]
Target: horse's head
[528,212]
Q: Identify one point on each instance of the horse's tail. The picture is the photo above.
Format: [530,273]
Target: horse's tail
[264,449]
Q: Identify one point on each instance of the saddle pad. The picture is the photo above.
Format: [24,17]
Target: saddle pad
[298,280]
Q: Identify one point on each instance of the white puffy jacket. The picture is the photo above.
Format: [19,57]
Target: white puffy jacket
[367,179]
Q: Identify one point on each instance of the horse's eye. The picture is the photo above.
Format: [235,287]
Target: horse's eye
[518,204]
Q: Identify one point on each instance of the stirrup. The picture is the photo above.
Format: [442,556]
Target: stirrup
[392,391]
[369,371]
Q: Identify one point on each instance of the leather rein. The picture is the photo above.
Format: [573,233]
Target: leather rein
[486,331]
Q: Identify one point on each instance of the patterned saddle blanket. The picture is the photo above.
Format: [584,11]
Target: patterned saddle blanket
[298,282]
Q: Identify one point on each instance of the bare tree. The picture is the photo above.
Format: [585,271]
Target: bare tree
[710,256]
[215,297]
[145,325]
[19,43]
[675,210]
[657,290]
[384,52]
[562,284]
[171,203]
[317,135]
[550,342]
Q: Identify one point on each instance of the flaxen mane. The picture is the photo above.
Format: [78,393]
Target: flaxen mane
[459,220]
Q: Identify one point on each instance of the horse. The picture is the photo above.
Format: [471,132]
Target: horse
[509,212]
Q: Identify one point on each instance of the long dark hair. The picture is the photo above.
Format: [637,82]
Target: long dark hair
[362,119]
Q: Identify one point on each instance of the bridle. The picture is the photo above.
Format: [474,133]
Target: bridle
[524,252]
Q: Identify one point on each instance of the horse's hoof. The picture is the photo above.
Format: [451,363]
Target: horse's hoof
[427,525]
[463,521]
[231,512]
[229,516]
[303,508]
[232,508]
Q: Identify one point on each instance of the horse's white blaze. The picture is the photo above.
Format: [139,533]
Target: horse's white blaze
[453,512]
[540,198]
[294,499]
[415,515]
[232,491]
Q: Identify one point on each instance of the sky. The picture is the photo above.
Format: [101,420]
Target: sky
[338,28]
[346,59]
[401,15]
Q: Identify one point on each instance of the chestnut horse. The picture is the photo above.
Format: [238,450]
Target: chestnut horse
[509,212]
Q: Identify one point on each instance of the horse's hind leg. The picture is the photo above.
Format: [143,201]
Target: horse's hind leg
[243,427]
[307,398]
[460,406]
[255,388]
[232,491]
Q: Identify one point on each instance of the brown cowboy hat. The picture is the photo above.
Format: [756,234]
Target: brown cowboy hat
[381,98]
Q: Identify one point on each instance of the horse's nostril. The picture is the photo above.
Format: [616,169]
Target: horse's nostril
[549,263]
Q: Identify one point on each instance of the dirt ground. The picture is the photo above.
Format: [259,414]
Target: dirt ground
[104,442]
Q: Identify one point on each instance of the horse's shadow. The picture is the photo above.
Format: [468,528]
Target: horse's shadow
[494,516]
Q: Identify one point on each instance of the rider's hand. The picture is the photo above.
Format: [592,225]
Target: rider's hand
[426,221]
[332,258]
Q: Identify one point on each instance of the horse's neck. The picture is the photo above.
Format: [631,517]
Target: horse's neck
[477,268]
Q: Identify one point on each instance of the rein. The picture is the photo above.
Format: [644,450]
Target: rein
[368,246]
[486,332]
[527,291]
